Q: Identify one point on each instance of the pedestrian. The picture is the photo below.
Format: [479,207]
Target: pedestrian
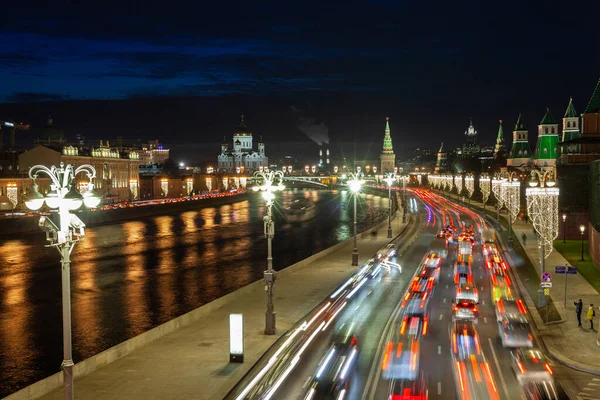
[373,235]
[578,310]
[524,237]
[526,219]
[591,314]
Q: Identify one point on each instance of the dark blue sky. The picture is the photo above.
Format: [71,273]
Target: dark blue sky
[183,72]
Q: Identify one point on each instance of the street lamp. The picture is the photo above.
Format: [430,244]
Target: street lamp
[511,191]
[582,229]
[390,180]
[66,198]
[542,207]
[564,217]
[354,183]
[272,181]
[485,185]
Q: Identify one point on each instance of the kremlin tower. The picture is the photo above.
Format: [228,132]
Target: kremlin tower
[547,143]
[388,158]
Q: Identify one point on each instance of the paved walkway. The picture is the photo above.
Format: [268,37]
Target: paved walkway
[193,361]
[569,344]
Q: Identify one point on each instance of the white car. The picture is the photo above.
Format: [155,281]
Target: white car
[531,365]
[515,332]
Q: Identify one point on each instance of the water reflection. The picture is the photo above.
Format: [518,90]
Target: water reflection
[130,277]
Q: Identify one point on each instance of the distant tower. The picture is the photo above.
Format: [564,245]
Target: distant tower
[388,158]
[441,162]
[547,143]
[327,156]
[470,147]
[499,149]
[570,129]
[261,146]
[520,152]
[224,145]
[321,156]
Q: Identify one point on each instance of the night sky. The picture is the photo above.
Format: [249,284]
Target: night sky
[184,73]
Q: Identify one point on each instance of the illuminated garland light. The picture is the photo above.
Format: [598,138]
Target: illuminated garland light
[458,182]
[485,184]
[542,207]
[12,193]
[497,189]
[133,186]
[470,184]
[419,178]
[512,198]
[164,186]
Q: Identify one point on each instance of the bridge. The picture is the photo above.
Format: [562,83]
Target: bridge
[311,180]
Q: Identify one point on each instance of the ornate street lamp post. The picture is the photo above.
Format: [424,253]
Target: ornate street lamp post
[542,207]
[66,198]
[511,190]
[390,180]
[355,182]
[485,185]
[270,181]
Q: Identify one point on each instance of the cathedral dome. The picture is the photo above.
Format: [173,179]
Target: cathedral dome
[242,129]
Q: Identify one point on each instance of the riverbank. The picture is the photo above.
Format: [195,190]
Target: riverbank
[188,357]
[26,225]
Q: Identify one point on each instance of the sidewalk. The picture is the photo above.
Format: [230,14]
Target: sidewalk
[193,361]
[573,346]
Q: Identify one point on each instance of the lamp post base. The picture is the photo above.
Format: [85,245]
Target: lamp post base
[389,232]
[270,323]
[510,241]
[355,257]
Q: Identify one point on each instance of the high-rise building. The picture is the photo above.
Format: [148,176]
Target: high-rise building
[520,152]
[388,158]
[547,143]
[470,147]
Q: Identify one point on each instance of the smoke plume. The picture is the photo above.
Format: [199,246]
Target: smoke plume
[318,132]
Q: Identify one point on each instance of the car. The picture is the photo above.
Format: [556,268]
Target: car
[401,359]
[334,369]
[515,331]
[464,340]
[409,389]
[506,306]
[501,287]
[422,283]
[433,273]
[414,325]
[415,303]
[497,268]
[531,365]
[465,309]
[462,273]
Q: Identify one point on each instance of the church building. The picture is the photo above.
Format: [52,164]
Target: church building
[242,157]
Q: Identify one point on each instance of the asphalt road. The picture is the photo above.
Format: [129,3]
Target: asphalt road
[369,309]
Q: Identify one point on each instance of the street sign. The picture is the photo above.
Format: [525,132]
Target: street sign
[560,270]
[546,277]
[546,284]
[546,292]
[571,270]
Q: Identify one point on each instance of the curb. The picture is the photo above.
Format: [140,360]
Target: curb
[558,358]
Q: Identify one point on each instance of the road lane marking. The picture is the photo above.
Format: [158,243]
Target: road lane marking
[483,302]
[444,300]
[306,382]
[446,286]
[482,288]
[484,320]
[439,349]
[441,316]
[439,388]
[499,370]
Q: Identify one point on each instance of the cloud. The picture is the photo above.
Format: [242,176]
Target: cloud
[32,97]
[20,60]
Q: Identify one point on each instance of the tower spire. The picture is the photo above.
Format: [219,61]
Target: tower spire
[594,104]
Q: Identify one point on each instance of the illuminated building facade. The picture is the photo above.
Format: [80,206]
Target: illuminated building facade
[242,156]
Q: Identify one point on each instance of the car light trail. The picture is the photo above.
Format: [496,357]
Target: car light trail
[325,363]
[334,315]
[337,292]
[362,282]
[304,327]
[348,362]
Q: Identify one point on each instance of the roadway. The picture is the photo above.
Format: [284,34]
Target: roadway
[370,310]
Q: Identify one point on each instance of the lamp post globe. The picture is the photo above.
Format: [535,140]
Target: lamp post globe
[564,218]
[389,180]
[354,183]
[582,229]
